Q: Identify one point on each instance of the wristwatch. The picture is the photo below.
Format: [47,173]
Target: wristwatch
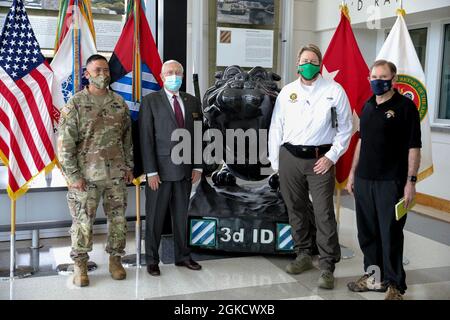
[412,178]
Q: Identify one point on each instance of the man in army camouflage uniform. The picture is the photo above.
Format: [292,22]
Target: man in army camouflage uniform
[95,153]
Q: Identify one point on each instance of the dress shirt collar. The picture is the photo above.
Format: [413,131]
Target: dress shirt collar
[170,94]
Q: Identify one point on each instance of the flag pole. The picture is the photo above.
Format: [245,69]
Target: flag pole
[402,12]
[14,272]
[137,98]
[346,253]
[138,226]
[76,48]
[132,260]
[136,94]
[12,257]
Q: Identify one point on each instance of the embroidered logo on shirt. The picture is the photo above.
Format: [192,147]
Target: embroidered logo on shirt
[293,97]
[389,114]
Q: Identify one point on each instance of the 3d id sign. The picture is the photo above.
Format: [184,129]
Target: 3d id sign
[240,235]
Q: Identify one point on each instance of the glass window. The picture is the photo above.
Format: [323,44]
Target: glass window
[419,39]
[444,105]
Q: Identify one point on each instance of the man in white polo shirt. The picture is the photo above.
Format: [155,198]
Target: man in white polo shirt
[310,130]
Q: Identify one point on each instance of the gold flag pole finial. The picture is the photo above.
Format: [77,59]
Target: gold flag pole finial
[401,11]
[344,9]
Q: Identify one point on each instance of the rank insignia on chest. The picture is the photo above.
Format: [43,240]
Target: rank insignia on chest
[389,114]
[293,97]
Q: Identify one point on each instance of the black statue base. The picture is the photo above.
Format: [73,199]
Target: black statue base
[245,218]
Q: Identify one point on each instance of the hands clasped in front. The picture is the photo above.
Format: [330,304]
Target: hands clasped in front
[155,181]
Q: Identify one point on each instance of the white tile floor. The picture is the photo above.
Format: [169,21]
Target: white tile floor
[254,277]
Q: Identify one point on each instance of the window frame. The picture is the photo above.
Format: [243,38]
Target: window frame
[440,122]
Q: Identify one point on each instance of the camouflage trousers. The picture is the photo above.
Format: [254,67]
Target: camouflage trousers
[83,207]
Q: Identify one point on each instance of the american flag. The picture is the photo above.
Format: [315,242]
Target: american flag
[26,129]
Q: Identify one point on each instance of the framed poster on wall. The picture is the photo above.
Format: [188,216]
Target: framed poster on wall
[244,47]
[259,12]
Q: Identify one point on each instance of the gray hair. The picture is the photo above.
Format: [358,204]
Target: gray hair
[170,62]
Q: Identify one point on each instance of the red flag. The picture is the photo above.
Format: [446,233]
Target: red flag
[26,107]
[123,62]
[344,62]
[135,69]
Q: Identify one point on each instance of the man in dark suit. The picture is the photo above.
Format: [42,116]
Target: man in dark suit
[168,183]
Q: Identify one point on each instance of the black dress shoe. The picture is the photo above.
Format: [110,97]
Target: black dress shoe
[190,264]
[153,269]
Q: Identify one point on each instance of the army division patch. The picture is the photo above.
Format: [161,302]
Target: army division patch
[203,232]
[285,242]
[415,90]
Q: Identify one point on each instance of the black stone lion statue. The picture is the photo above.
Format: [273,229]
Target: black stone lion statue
[241,100]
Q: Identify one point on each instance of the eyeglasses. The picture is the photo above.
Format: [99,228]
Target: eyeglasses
[304,61]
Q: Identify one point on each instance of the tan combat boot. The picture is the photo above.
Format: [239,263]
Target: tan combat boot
[80,277]
[116,269]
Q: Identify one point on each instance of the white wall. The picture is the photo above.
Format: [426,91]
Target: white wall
[303,33]
[438,185]
[326,17]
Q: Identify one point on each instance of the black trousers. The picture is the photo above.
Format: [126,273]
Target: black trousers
[380,235]
[172,196]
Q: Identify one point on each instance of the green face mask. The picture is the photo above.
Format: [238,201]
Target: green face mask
[308,70]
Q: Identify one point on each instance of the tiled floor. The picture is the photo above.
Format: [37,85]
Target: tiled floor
[248,277]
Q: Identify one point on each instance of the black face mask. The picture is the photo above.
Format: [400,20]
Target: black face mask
[380,87]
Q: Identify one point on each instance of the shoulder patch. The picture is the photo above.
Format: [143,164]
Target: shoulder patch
[66,110]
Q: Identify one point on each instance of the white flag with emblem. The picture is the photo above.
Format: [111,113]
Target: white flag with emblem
[399,49]
[69,62]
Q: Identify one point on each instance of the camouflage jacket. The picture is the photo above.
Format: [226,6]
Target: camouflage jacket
[94,141]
